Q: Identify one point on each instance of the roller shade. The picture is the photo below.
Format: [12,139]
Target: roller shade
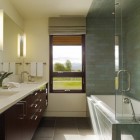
[67,26]
[67,40]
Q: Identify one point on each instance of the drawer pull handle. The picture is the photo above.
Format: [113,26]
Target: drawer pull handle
[24,109]
[40,110]
[36,117]
[35,105]
[21,118]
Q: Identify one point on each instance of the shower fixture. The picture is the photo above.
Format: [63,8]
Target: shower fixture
[127,101]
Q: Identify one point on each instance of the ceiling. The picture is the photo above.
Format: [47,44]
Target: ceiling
[51,8]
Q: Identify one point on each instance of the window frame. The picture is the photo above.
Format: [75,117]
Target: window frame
[67,74]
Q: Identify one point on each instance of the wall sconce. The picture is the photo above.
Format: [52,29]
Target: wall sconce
[21,45]
[1,29]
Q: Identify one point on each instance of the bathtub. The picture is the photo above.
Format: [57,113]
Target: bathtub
[108,121]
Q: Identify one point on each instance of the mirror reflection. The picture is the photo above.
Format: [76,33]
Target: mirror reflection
[10,43]
[1,30]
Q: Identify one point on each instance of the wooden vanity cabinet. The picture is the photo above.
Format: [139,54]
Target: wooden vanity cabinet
[36,107]
[21,120]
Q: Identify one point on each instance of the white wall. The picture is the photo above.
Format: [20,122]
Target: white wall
[37,43]
[68,105]
[11,12]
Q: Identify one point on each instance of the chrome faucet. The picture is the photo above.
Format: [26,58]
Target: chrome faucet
[30,78]
[22,75]
[127,101]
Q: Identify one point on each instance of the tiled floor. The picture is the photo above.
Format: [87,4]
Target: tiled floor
[64,129]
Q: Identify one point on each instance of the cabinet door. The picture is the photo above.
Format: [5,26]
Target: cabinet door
[2,126]
[14,121]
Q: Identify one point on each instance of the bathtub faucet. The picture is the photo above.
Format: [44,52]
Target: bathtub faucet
[127,101]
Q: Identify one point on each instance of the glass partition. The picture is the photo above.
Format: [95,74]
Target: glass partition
[127,57]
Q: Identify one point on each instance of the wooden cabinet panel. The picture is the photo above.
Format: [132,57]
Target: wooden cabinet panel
[14,122]
[21,120]
[2,127]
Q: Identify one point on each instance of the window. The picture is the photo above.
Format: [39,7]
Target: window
[67,64]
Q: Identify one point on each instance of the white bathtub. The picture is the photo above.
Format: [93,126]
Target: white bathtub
[111,122]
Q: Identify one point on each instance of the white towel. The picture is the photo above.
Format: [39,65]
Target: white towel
[40,69]
[6,67]
[33,69]
[13,67]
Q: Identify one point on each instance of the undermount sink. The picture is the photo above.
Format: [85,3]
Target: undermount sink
[31,82]
[7,93]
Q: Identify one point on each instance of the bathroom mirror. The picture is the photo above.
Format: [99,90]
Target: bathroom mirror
[10,40]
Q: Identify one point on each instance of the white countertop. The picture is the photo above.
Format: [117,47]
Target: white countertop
[19,93]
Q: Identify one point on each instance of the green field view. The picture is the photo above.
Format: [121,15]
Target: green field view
[67,83]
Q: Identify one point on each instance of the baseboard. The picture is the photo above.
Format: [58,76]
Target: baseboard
[65,114]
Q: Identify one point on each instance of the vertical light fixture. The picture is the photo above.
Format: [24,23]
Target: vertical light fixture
[24,45]
[1,29]
[21,45]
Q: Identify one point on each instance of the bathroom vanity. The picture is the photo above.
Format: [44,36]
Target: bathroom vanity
[20,117]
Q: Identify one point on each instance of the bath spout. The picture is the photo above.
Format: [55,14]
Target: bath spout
[127,101]
[133,112]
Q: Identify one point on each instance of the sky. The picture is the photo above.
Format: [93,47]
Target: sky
[63,53]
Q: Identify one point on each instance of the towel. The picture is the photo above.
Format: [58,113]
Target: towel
[39,69]
[33,69]
[6,67]
[13,67]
